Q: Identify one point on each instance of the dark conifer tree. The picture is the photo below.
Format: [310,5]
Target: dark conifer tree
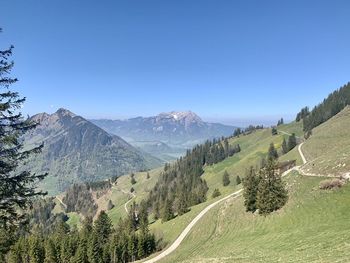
[17,187]
[271,194]
[250,188]
[95,252]
[167,213]
[226,179]
[274,131]
[238,180]
[284,146]
[216,193]
[292,142]
[51,255]
[272,153]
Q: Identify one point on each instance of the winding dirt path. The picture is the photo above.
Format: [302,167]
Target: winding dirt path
[61,202]
[185,232]
[189,227]
[301,153]
[126,204]
[128,193]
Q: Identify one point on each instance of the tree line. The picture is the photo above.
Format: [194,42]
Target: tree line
[239,131]
[333,104]
[180,184]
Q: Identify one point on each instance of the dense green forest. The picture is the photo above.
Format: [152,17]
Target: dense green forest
[180,185]
[93,243]
[333,104]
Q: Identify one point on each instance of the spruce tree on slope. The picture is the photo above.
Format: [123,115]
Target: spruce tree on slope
[292,142]
[272,153]
[226,179]
[284,146]
[271,194]
[17,187]
[250,188]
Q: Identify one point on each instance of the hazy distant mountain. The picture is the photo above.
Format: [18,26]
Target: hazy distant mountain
[173,128]
[77,150]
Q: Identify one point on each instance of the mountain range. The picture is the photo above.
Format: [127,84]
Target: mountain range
[76,150]
[173,128]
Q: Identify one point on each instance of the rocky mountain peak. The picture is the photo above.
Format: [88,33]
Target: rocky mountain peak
[64,112]
[187,116]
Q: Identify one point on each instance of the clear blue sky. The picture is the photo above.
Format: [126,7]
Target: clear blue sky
[225,60]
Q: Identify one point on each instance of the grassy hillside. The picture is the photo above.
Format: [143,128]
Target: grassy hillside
[142,188]
[312,227]
[328,149]
[253,147]
[293,127]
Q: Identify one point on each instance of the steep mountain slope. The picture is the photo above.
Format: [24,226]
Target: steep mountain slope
[173,128]
[77,150]
[328,148]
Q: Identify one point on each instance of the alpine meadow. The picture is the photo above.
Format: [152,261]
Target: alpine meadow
[174,131]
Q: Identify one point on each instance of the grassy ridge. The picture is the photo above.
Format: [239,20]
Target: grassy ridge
[312,227]
[328,149]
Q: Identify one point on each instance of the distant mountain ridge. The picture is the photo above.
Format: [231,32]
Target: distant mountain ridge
[77,150]
[173,128]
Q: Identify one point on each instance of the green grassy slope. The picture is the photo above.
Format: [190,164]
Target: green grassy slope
[328,149]
[142,188]
[312,227]
[254,146]
[293,127]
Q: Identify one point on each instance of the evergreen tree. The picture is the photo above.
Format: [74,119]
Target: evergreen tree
[36,251]
[167,213]
[226,179]
[302,114]
[284,146]
[95,251]
[216,193]
[141,246]
[132,245]
[271,194]
[272,153]
[182,207]
[103,227]
[148,176]
[17,187]
[110,205]
[238,180]
[81,254]
[292,142]
[280,122]
[133,181]
[250,188]
[67,249]
[274,131]
[50,252]
[226,147]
